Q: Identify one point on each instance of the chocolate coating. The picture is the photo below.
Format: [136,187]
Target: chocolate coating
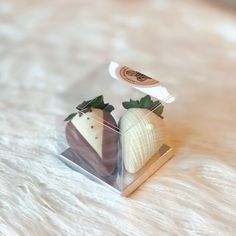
[103,165]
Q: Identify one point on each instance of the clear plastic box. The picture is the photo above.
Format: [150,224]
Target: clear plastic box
[123,147]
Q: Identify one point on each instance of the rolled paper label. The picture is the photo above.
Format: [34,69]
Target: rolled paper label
[140,81]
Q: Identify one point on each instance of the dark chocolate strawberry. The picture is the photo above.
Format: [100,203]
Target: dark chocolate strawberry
[92,134]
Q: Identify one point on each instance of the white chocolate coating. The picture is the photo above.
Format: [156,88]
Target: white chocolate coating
[90,129]
[142,137]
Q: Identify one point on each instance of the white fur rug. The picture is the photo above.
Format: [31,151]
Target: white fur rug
[48,46]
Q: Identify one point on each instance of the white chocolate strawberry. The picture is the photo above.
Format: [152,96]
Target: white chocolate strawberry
[142,132]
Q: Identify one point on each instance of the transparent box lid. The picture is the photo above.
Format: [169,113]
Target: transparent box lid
[116,135]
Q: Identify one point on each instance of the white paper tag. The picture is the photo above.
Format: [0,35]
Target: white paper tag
[140,81]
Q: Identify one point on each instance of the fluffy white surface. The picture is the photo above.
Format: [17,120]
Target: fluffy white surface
[48,46]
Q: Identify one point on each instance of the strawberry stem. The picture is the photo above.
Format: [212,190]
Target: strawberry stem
[97,102]
[145,103]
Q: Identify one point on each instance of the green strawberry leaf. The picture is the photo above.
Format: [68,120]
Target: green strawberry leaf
[93,103]
[158,108]
[97,102]
[108,108]
[70,116]
[83,105]
[145,103]
[131,104]
[126,105]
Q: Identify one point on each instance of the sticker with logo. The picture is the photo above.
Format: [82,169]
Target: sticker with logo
[136,78]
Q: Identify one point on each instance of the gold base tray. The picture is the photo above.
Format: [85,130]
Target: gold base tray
[154,164]
[127,183]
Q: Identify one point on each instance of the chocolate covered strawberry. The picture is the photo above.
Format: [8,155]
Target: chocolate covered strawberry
[142,130]
[91,133]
